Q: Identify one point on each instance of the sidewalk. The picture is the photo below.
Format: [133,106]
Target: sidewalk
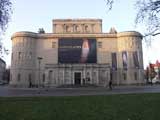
[86,88]
[25,92]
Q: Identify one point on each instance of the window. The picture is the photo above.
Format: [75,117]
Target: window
[114,61]
[30,77]
[43,77]
[88,76]
[131,43]
[19,77]
[30,80]
[19,55]
[136,43]
[99,44]
[53,44]
[30,55]
[50,74]
[135,75]
[67,28]
[124,76]
[86,28]
[64,27]
[75,28]
[93,27]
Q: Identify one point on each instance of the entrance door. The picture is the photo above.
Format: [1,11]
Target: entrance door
[77,78]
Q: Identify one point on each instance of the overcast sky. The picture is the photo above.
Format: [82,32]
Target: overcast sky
[30,15]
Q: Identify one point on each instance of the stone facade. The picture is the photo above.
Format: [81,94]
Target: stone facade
[27,47]
[77,26]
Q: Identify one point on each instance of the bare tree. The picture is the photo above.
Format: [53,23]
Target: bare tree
[148,13]
[109,3]
[5,12]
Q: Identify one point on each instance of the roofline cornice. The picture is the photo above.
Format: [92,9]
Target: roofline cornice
[76,35]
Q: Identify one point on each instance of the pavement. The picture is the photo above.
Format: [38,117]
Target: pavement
[6,91]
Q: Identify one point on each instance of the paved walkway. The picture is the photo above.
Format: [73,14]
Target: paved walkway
[6,91]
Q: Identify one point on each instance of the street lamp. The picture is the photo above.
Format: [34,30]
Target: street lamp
[39,63]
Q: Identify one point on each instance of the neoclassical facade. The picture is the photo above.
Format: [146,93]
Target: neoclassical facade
[76,53]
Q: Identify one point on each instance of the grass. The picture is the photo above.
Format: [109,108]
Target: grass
[110,107]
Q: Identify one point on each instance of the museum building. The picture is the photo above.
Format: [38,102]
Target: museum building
[76,53]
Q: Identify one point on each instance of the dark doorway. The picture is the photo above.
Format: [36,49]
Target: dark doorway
[30,80]
[77,78]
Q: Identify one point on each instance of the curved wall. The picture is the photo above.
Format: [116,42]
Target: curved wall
[23,59]
[130,43]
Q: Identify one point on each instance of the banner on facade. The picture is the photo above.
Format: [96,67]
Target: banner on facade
[124,59]
[78,50]
[135,59]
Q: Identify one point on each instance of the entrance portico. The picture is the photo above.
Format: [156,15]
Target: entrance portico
[77,74]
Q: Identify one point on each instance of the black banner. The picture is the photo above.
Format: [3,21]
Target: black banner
[77,50]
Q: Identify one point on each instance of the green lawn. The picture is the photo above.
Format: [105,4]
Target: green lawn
[110,107]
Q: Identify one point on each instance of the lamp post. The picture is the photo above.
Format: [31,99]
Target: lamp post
[39,63]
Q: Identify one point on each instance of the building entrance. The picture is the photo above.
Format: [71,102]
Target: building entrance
[77,78]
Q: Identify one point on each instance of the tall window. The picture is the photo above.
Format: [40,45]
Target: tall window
[64,28]
[92,28]
[67,29]
[29,77]
[135,75]
[50,74]
[114,61]
[19,55]
[86,28]
[30,55]
[43,77]
[75,28]
[19,77]
[124,76]
[30,80]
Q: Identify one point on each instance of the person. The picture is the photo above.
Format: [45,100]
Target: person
[147,75]
[110,84]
